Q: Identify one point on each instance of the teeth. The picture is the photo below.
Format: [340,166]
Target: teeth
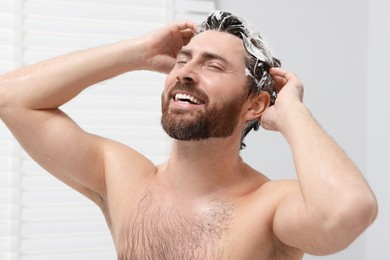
[184,97]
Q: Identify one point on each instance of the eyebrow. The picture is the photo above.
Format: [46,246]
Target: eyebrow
[205,55]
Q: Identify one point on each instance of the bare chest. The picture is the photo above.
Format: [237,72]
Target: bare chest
[157,228]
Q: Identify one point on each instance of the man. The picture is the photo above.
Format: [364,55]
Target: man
[204,202]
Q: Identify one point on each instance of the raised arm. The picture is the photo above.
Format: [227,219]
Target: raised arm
[333,203]
[30,98]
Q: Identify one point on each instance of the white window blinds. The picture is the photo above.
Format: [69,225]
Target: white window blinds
[40,217]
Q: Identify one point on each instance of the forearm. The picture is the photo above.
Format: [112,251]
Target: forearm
[330,182]
[332,203]
[50,84]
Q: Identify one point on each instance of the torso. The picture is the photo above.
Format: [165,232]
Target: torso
[154,223]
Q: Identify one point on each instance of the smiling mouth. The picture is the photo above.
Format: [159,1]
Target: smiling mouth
[185,98]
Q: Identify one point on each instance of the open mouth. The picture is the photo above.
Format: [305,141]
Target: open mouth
[185,98]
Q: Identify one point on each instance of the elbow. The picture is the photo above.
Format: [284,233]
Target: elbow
[3,93]
[360,213]
[6,97]
[346,223]
[363,210]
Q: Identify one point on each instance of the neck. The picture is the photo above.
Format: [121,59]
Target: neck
[203,167]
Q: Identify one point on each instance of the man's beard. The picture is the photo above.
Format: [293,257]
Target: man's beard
[203,123]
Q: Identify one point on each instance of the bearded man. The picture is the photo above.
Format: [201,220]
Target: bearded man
[204,202]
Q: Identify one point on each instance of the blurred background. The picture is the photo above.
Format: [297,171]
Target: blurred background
[339,49]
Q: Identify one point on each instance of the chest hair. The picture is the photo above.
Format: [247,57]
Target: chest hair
[158,229]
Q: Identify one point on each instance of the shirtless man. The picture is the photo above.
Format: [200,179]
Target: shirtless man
[204,202]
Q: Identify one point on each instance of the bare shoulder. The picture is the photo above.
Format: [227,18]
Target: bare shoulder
[127,173]
[270,190]
[277,189]
[266,198]
[122,163]
[257,212]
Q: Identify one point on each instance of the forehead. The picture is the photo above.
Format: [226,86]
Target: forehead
[221,43]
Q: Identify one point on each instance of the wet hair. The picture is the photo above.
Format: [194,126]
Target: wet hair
[258,60]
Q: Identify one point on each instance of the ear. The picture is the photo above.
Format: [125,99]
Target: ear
[257,105]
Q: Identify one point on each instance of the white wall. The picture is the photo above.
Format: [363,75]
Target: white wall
[337,49]
[378,125]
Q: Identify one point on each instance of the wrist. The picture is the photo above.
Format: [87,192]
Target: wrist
[132,54]
[295,117]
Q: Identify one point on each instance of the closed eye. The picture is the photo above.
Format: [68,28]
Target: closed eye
[181,61]
[215,66]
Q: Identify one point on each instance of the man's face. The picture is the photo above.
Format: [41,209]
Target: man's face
[205,91]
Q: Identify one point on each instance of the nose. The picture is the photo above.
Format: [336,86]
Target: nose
[187,73]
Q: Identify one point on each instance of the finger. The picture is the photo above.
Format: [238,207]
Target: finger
[283,77]
[187,30]
[279,82]
[279,72]
[184,25]
[188,33]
